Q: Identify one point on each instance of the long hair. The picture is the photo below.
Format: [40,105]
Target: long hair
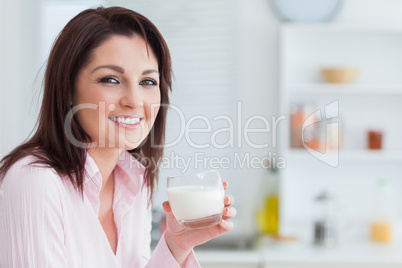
[70,53]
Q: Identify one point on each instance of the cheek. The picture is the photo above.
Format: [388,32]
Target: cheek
[88,120]
[152,106]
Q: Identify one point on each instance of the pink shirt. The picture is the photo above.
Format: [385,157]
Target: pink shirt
[44,222]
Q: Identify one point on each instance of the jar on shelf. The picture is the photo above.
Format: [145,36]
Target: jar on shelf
[374,139]
[296,121]
[300,136]
[319,134]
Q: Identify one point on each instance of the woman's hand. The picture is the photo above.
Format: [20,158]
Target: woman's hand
[181,241]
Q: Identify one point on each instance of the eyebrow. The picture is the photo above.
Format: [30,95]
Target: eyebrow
[121,70]
[150,71]
[110,66]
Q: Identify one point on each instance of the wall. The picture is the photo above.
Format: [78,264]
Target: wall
[11,70]
[19,65]
[370,11]
[257,85]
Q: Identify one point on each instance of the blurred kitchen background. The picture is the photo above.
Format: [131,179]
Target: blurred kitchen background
[297,103]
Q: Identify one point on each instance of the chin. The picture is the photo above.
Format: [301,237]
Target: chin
[131,147]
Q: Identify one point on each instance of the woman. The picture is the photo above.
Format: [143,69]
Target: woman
[76,193]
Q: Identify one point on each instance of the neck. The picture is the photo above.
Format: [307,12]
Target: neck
[106,160]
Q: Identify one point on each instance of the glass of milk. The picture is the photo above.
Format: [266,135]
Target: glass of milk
[196,199]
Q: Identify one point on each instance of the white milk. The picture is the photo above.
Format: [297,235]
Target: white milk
[195,202]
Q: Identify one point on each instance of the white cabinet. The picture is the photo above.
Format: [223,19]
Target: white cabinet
[229,265]
[269,255]
[300,265]
[229,259]
[326,265]
[373,101]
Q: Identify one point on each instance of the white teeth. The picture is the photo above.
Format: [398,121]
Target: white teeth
[133,121]
[128,121]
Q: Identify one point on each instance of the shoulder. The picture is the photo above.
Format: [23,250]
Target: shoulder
[26,168]
[31,213]
[25,177]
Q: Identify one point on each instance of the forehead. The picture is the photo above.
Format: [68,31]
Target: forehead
[124,50]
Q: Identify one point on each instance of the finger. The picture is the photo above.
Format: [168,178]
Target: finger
[228,213]
[225,184]
[227,225]
[166,207]
[229,200]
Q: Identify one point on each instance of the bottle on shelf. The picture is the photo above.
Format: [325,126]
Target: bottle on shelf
[268,213]
[384,212]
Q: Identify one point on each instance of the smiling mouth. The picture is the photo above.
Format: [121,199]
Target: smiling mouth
[126,120]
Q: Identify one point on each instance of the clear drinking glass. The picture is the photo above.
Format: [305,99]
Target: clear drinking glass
[197,200]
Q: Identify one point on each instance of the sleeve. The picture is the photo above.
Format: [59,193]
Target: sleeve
[161,256]
[31,222]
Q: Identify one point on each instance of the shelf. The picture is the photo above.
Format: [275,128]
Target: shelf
[372,101]
[326,28]
[351,155]
[345,89]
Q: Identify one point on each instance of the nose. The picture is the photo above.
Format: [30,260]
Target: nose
[132,98]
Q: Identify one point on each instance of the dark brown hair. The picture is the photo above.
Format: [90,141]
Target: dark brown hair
[71,52]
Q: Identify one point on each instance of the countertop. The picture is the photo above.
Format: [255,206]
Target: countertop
[267,251]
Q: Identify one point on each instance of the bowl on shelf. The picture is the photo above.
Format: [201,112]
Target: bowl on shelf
[343,75]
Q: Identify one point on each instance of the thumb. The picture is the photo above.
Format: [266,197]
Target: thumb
[166,207]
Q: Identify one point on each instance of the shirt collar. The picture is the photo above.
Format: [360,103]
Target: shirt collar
[129,179]
[91,170]
[129,174]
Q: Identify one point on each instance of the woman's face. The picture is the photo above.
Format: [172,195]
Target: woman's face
[118,93]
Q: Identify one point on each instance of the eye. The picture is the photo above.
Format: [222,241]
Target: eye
[110,80]
[148,82]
